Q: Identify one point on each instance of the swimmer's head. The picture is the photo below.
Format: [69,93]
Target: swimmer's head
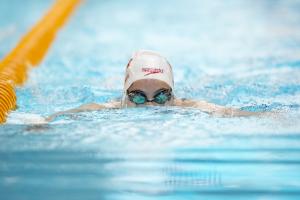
[148,80]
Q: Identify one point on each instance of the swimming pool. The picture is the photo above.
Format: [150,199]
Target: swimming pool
[239,53]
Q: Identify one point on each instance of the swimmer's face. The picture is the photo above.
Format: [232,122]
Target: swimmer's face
[150,87]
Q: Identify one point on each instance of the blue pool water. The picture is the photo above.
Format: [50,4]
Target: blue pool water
[244,54]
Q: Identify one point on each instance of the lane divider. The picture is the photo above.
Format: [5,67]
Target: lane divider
[29,52]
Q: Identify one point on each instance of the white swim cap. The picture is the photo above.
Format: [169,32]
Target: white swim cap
[146,64]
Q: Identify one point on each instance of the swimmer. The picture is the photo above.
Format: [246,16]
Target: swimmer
[149,82]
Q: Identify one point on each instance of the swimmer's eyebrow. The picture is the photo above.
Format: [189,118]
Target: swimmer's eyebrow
[128,91]
[159,90]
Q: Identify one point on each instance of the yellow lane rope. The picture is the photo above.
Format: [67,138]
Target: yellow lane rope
[30,52]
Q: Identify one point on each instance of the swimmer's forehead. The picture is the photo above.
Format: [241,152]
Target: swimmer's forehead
[148,85]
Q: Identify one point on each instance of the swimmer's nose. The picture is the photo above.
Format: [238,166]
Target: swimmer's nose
[149,103]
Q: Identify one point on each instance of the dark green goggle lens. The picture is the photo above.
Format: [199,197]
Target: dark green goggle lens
[161,98]
[139,97]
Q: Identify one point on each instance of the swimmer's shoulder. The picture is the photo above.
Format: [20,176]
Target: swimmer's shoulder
[112,104]
[89,107]
[184,102]
[97,106]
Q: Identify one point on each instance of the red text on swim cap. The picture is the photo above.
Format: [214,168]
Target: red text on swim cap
[152,71]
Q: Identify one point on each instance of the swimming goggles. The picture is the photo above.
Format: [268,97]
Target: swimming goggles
[161,97]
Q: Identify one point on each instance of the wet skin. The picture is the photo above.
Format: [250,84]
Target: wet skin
[150,87]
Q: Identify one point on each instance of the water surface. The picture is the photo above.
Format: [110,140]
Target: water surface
[244,54]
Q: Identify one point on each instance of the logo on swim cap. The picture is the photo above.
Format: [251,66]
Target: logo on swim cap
[152,71]
[146,64]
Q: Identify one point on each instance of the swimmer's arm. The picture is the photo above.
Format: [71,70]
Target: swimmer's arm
[84,108]
[215,109]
